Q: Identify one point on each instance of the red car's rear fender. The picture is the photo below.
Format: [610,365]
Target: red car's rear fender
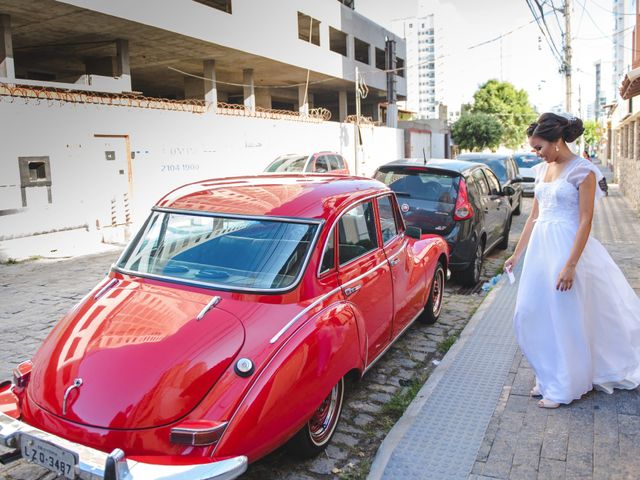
[296,380]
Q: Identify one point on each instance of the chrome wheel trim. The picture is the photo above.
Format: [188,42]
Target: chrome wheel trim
[325,418]
[437,292]
[478,263]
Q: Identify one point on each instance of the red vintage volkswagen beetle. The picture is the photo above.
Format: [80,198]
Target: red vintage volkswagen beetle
[226,328]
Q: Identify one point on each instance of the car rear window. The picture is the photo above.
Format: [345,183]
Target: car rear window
[288,164]
[526,160]
[421,185]
[233,252]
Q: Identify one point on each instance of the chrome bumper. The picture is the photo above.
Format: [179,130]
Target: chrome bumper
[96,465]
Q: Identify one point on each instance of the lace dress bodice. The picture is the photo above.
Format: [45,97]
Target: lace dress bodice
[559,200]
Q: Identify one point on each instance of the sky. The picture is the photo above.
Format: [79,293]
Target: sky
[517,57]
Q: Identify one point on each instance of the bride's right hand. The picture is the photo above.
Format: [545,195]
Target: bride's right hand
[511,263]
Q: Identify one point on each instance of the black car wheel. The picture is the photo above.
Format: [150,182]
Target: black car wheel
[314,437]
[433,307]
[471,275]
[518,209]
[504,243]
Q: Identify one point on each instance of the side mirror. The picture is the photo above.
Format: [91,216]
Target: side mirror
[508,190]
[414,232]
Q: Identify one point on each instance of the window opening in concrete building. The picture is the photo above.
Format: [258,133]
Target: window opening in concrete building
[34,172]
[400,67]
[380,62]
[348,3]
[222,5]
[37,171]
[337,41]
[308,29]
[361,50]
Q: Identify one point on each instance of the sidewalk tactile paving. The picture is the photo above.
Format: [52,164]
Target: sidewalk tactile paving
[445,437]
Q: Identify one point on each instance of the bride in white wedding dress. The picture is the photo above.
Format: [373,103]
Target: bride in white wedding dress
[577,319]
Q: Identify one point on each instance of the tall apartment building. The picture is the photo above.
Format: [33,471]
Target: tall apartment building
[622,39]
[421,50]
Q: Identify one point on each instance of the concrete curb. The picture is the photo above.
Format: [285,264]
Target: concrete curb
[395,435]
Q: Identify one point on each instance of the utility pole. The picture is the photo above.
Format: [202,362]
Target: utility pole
[567,53]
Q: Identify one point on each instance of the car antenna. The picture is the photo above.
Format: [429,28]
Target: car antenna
[424,155]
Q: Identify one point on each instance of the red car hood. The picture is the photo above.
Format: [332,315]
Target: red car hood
[142,357]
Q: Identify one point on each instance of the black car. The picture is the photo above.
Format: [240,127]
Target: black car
[506,169]
[462,201]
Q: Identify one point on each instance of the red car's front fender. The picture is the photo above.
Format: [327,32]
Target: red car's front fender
[294,383]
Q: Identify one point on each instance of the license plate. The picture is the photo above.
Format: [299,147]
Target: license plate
[49,456]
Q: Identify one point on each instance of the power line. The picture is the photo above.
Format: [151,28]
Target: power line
[552,47]
[544,22]
[610,11]
[607,36]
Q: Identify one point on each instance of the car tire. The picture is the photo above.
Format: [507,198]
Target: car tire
[504,243]
[316,434]
[433,307]
[518,209]
[470,276]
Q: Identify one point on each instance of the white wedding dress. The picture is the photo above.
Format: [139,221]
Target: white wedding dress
[588,336]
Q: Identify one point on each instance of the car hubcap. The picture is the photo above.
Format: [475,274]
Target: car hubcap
[478,262]
[436,294]
[325,418]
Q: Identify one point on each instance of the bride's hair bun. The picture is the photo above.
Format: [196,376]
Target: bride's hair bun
[572,130]
[552,127]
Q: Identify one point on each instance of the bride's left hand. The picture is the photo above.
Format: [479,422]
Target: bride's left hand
[565,279]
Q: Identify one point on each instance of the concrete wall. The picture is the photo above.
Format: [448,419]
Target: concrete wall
[268,28]
[90,174]
[626,161]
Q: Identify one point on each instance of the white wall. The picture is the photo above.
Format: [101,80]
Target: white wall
[169,149]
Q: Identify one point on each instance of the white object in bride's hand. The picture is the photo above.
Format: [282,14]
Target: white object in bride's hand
[512,277]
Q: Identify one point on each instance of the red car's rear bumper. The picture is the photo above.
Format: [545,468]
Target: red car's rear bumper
[92,464]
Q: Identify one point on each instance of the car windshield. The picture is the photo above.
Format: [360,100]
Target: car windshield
[421,185]
[288,164]
[232,252]
[526,160]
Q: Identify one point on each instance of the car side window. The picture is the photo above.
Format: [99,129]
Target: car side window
[494,183]
[328,257]
[333,162]
[357,232]
[387,219]
[481,181]
[321,164]
[340,161]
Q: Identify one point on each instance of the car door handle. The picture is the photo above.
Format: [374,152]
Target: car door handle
[351,290]
[394,261]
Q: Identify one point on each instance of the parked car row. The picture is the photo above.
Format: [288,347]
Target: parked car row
[232,322]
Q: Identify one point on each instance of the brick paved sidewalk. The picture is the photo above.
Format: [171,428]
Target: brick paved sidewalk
[447,426]
[596,437]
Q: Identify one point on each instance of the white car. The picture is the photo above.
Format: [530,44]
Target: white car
[526,161]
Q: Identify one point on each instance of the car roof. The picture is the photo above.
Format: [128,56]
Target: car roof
[480,157]
[313,196]
[457,166]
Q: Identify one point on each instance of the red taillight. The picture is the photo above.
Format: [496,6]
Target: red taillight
[197,433]
[22,374]
[463,209]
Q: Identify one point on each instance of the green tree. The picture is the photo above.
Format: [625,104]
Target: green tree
[476,131]
[592,134]
[510,106]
